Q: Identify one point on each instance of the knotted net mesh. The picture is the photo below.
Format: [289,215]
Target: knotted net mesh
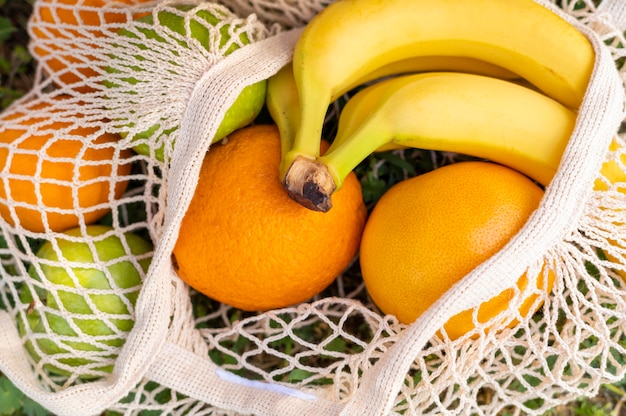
[111,82]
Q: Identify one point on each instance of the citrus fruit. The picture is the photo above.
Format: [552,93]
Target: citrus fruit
[57,180]
[428,232]
[87,286]
[59,22]
[245,243]
[212,29]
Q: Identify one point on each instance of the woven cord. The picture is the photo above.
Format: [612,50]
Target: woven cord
[601,114]
[616,9]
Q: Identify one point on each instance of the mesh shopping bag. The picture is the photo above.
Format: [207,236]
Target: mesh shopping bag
[103,83]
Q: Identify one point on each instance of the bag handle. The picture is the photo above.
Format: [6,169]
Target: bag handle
[154,305]
[196,376]
[600,116]
[179,368]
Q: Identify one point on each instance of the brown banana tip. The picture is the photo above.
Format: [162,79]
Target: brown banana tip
[309,183]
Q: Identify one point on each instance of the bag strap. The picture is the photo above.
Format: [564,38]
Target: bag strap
[176,367]
[196,376]
[599,118]
[217,89]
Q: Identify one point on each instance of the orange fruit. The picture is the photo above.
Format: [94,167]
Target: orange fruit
[57,180]
[428,232]
[611,171]
[65,20]
[246,243]
[612,174]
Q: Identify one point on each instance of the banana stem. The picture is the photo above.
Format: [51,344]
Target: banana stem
[343,159]
[313,105]
[310,184]
[282,104]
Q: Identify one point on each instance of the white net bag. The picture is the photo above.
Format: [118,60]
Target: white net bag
[108,83]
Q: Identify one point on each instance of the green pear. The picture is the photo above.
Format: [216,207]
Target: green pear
[248,104]
[85,315]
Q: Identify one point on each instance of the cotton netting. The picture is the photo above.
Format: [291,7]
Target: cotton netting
[337,354]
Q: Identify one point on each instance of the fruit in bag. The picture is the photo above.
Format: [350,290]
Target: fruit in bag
[209,29]
[82,308]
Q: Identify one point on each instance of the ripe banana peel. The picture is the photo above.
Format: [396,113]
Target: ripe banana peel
[282,103]
[359,107]
[476,115]
[344,43]
[282,98]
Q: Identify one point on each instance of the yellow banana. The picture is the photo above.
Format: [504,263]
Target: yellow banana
[351,38]
[421,63]
[464,113]
[283,102]
[359,107]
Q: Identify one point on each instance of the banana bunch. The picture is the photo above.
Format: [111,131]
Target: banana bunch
[495,79]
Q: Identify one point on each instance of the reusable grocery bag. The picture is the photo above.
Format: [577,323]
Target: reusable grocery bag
[335,355]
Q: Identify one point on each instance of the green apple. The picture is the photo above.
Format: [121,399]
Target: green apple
[250,101]
[78,315]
